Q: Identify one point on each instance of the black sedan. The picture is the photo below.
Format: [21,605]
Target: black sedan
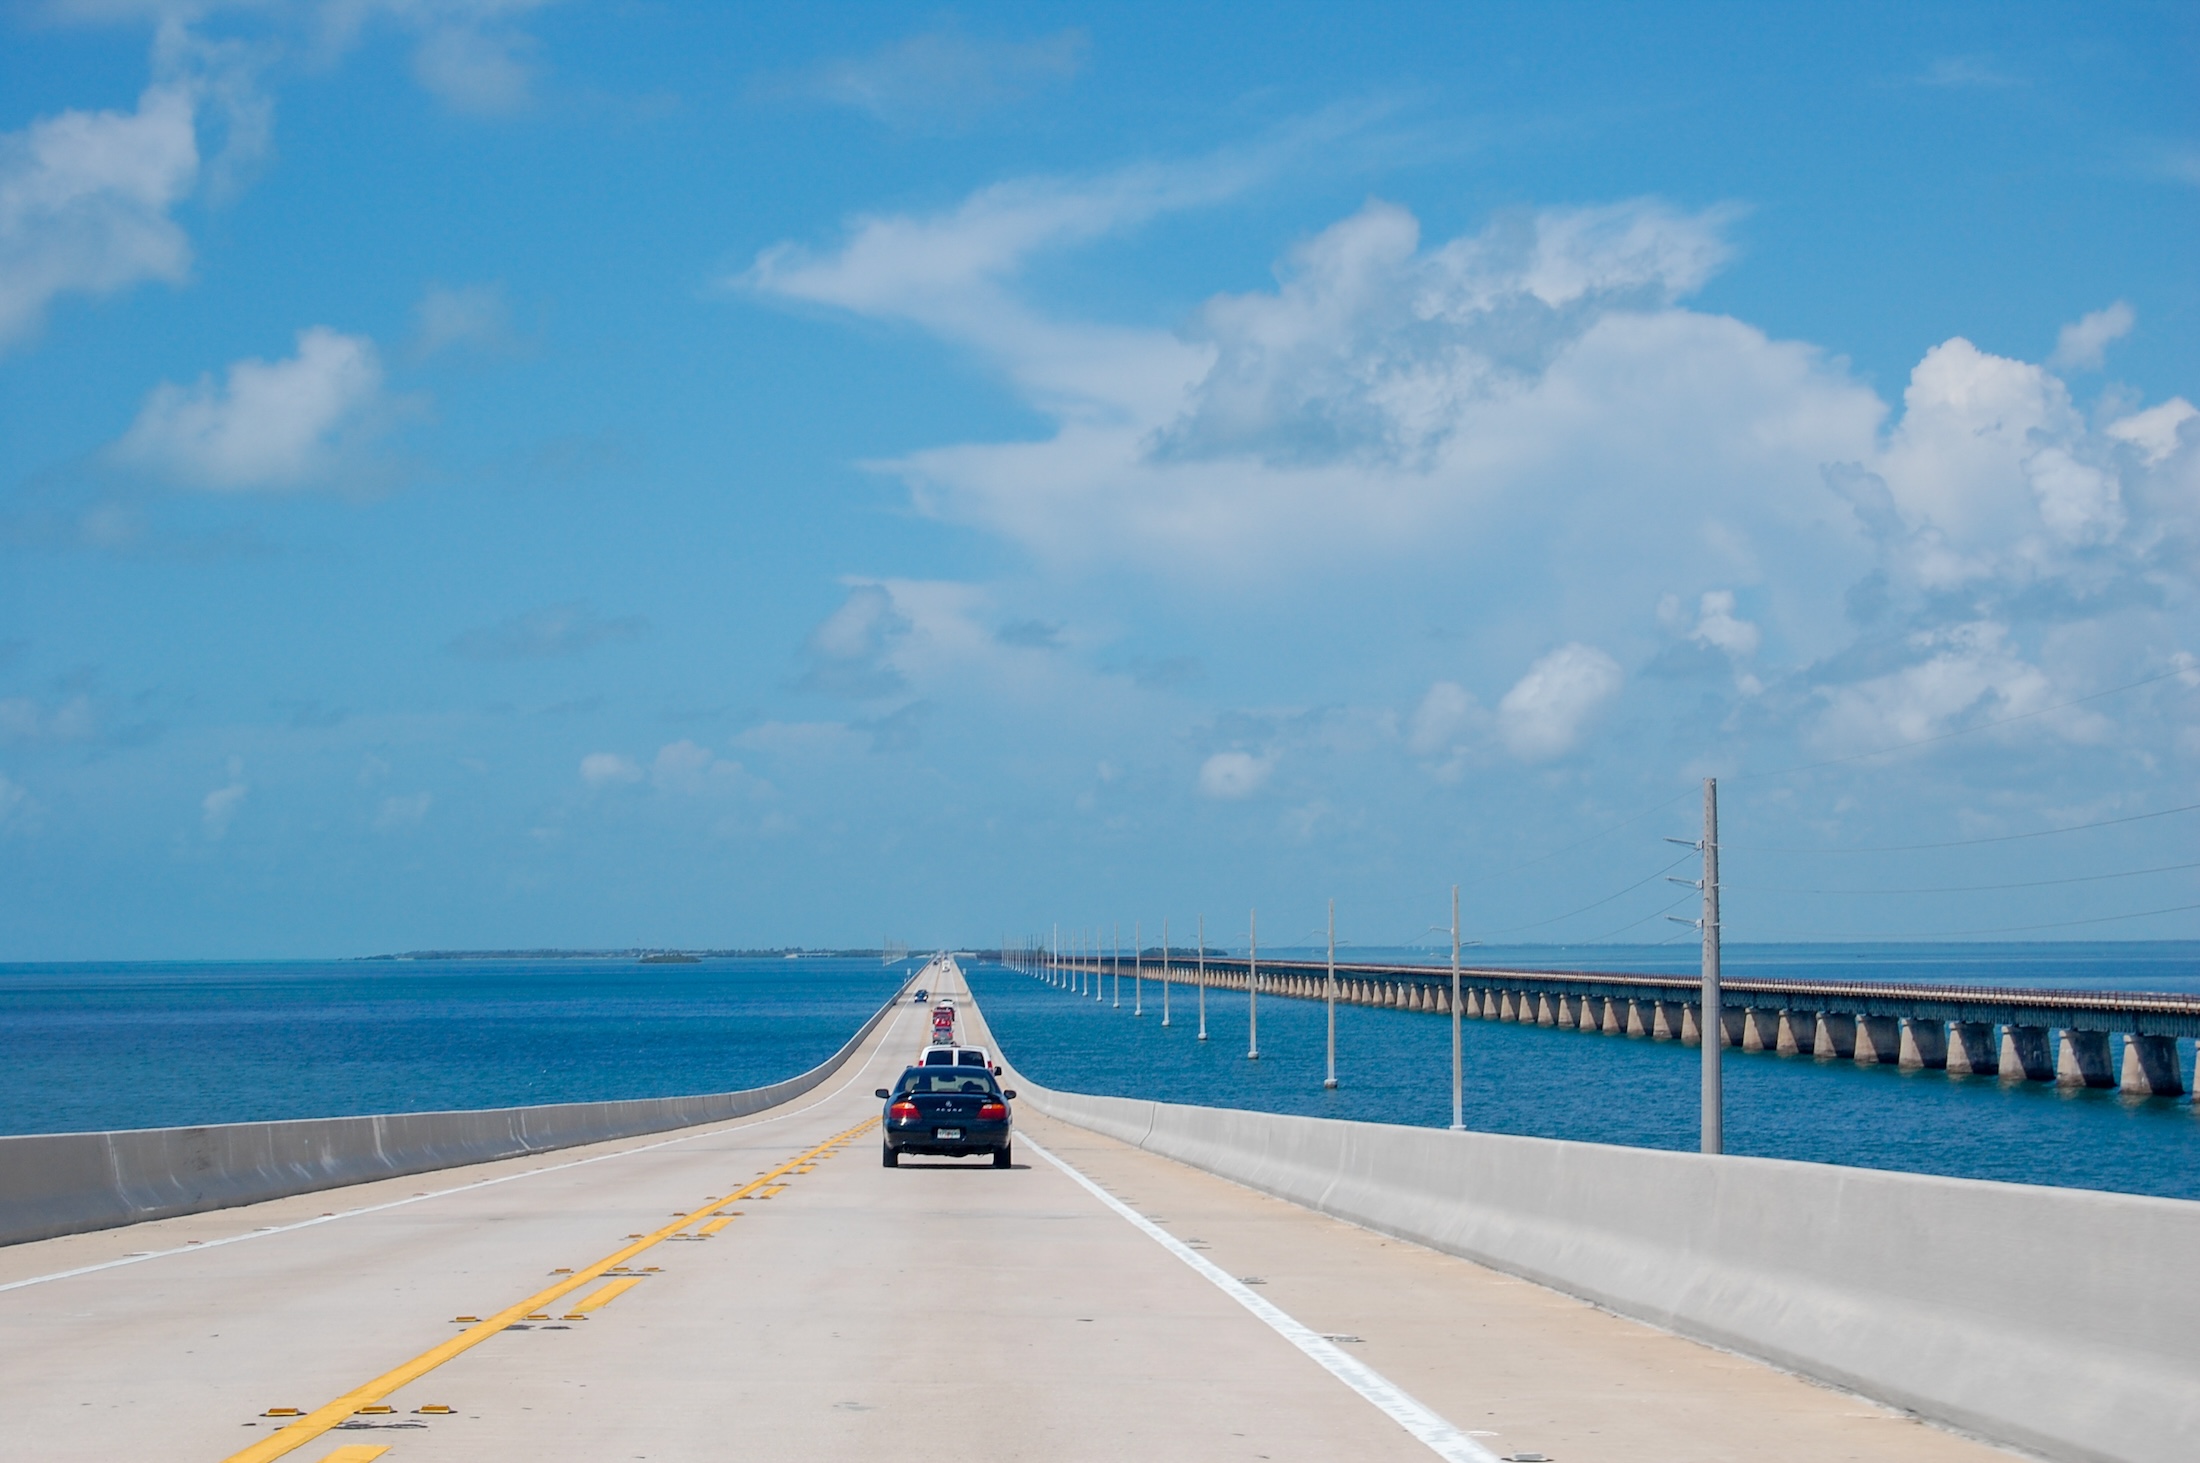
[955,1111]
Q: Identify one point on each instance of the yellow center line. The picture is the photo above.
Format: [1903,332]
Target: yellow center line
[716,1224]
[323,1418]
[609,1293]
[355,1453]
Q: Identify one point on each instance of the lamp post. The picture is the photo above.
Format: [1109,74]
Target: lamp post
[1203,977]
[1330,992]
[1165,981]
[1138,970]
[1458,1066]
[1252,986]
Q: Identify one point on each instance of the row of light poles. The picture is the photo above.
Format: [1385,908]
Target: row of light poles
[1710,1023]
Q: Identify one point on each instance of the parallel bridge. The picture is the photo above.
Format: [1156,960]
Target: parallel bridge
[2075,1038]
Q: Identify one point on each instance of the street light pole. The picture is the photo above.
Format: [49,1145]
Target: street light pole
[1203,977]
[1458,1069]
[1165,982]
[1252,986]
[1330,990]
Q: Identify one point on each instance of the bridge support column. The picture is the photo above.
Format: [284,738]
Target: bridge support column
[1798,1033]
[2025,1054]
[1544,1015]
[1732,1022]
[1760,1029]
[1836,1035]
[1639,1017]
[1971,1049]
[2081,1059]
[1565,1012]
[1878,1039]
[1491,1003]
[1615,1017]
[2150,1066]
[1924,1043]
[1670,1021]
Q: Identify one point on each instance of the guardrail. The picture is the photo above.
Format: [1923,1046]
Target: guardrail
[2059,1036]
[2049,1319]
[67,1183]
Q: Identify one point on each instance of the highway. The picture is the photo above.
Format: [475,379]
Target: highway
[765,1288]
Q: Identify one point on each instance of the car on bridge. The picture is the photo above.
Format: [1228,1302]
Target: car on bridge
[957,1056]
[954,1112]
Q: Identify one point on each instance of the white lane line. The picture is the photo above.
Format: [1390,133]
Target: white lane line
[1441,1437]
[893,1025]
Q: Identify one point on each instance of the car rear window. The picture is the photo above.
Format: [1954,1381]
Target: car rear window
[941,1058]
[948,1079]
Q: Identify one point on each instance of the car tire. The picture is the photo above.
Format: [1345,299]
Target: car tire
[887,1157]
[1000,1157]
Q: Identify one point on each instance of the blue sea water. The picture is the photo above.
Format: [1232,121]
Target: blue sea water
[1395,1067]
[151,1045]
[86,1047]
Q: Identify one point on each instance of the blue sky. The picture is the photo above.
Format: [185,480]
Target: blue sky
[506,474]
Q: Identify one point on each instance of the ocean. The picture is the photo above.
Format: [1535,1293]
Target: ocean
[1395,1066]
[88,1047]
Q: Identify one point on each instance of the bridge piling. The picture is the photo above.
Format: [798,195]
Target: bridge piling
[1924,1043]
[2025,1055]
[1798,1033]
[2151,1068]
[1971,1049]
[1878,1040]
[1760,1029]
[2081,1059]
[1836,1036]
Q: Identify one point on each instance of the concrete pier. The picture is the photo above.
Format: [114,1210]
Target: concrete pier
[1972,1051]
[2151,1068]
[2025,1054]
[2081,1060]
[1924,1043]
[1878,1040]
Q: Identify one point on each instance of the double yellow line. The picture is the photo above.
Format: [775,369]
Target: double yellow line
[323,1418]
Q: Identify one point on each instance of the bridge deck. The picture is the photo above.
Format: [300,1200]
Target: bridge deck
[855,1313]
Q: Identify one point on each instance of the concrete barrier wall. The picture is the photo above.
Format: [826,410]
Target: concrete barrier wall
[66,1183]
[2058,1320]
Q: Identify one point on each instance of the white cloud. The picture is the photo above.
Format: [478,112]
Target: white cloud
[2155,431]
[942,77]
[1965,673]
[604,769]
[1234,774]
[473,316]
[218,809]
[691,770]
[404,810]
[1717,625]
[1546,711]
[2083,344]
[1446,714]
[471,54]
[270,425]
[85,200]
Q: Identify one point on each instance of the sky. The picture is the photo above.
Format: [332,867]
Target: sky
[496,474]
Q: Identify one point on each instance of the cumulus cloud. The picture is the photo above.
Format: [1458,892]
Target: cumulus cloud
[1234,774]
[1547,710]
[609,769]
[941,77]
[473,55]
[290,423]
[558,630]
[851,651]
[2083,344]
[1958,676]
[85,201]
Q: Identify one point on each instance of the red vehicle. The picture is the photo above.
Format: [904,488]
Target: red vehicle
[943,1023]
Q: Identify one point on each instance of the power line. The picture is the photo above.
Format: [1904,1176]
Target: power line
[1607,899]
[1967,888]
[1971,842]
[2061,924]
[1612,828]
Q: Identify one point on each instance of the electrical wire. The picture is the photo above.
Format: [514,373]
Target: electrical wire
[2061,924]
[1966,888]
[1607,899]
[1969,842]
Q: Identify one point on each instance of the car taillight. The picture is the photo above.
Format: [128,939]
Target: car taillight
[903,1112]
[992,1112]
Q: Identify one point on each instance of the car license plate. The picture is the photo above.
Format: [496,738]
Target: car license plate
[946,1133]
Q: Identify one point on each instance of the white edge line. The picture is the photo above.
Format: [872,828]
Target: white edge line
[204,1245]
[1440,1436]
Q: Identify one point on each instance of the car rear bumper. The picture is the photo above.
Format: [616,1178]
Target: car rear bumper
[919,1137]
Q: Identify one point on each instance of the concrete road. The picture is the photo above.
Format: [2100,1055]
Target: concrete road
[843,1310]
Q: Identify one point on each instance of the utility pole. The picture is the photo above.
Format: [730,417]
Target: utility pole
[1458,1063]
[1330,991]
[1165,970]
[1115,962]
[1138,970]
[1203,977]
[1712,1023]
[1252,986]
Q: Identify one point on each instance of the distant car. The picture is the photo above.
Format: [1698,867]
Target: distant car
[921,997]
[957,1056]
[954,1111]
